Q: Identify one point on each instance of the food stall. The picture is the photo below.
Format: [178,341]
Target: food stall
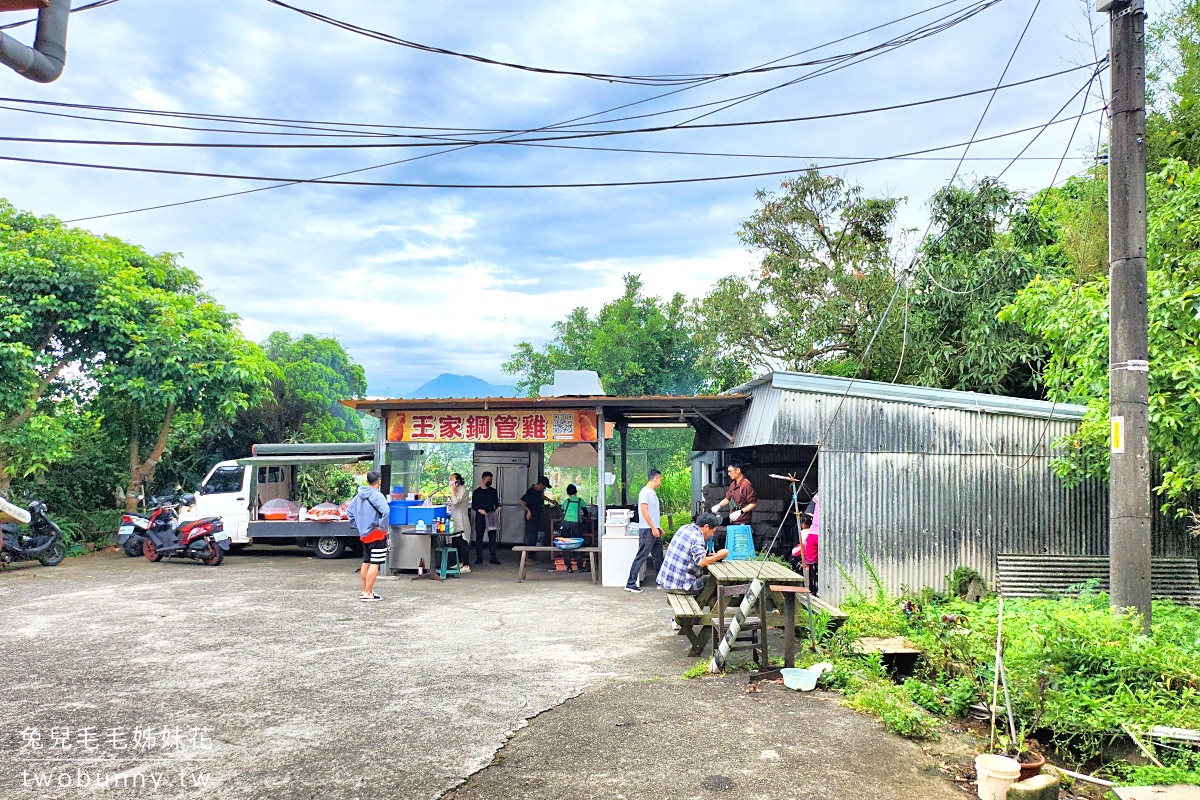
[510,437]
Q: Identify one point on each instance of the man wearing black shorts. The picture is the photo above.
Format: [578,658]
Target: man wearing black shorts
[368,513]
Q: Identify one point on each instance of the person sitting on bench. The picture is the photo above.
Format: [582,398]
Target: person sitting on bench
[683,569]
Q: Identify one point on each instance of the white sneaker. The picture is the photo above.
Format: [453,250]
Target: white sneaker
[464,569]
[632,589]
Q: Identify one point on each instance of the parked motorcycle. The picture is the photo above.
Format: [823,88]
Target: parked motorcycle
[132,533]
[203,540]
[43,541]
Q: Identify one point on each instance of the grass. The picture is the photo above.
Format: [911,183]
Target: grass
[697,670]
[1077,671]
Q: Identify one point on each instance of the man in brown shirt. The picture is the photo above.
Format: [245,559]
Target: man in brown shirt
[740,498]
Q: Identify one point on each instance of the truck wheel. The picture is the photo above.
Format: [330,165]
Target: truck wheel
[329,547]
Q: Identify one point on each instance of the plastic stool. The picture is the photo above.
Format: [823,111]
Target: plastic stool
[739,540]
[448,568]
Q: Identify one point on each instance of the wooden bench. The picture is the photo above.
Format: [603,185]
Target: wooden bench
[526,549]
[689,616]
[1022,575]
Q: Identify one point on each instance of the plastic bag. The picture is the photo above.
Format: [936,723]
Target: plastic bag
[279,509]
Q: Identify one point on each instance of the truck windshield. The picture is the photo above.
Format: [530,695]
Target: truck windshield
[225,480]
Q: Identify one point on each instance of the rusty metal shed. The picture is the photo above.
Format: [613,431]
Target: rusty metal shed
[918,480]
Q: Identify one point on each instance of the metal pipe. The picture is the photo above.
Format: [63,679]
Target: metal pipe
[44,61]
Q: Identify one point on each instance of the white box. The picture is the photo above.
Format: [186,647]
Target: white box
[617,554]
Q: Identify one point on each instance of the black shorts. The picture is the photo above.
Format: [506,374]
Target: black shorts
[375,552]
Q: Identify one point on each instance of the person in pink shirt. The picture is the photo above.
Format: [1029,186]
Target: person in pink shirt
[804,554]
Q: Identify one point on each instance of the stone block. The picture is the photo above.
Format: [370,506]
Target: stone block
[1039,787]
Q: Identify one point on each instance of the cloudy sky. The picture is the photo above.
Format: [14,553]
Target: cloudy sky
[419,281]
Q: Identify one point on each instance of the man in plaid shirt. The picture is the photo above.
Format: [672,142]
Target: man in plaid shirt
[687,557]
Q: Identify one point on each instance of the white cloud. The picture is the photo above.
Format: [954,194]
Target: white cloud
[418,282]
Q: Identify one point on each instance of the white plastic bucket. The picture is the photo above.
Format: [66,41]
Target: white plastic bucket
[994,774]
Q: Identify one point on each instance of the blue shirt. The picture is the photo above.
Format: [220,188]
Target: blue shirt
[681,570]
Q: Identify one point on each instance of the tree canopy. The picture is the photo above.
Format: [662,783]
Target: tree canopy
[826,275]
[1071,318]
[638,345]
[984,245]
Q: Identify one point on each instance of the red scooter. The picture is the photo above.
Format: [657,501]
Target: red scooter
[203,540]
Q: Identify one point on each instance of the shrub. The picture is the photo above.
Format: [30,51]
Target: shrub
[894,708]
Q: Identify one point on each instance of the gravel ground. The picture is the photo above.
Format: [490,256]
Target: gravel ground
[273,681]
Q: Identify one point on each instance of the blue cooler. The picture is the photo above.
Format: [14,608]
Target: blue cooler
[427,513]
[398,514]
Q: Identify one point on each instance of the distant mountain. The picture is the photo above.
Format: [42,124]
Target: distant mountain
[448,385]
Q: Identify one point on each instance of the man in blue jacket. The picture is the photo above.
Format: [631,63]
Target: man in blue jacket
[368,513]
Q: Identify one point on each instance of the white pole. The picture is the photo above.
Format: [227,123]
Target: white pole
[735,627]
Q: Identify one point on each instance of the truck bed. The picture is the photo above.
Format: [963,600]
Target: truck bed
[283,529]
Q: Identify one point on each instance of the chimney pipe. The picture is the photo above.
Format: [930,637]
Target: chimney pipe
[44,61]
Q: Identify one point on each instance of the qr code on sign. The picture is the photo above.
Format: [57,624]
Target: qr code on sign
[564,426]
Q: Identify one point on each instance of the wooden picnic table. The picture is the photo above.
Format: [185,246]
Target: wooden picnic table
[777,578]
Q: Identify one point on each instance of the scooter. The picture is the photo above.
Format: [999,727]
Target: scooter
[43,542]
[132,533]
[203,540]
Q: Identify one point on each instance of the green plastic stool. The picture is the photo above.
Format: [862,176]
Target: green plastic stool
[448,568]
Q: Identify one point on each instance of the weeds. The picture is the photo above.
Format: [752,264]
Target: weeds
[1076,670]
[697,670]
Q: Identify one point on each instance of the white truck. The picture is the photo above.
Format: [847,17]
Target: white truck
[235,490]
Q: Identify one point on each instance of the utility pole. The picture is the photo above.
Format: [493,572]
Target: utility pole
[1129,476]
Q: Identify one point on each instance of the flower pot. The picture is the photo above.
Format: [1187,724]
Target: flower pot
[1031,764]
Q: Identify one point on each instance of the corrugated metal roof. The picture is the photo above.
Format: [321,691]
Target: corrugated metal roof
[914,395]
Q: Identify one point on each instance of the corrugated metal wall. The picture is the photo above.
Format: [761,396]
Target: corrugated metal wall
[921,489]
[916,516]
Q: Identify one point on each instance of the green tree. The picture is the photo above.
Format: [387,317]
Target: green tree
[638,345]
[308,376]
[1072,319]
[984,246]
[1173,70]
[314,373]
[826,276]
[186,355]
[67,300]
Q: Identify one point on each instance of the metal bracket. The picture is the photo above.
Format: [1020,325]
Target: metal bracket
[715,426]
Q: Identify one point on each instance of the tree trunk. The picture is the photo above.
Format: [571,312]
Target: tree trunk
[143,471]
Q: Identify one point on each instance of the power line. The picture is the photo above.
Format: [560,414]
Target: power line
[343,128]
[641,80]
[442,141]
[86,7]
[583,185]
[592,115]
[929,29]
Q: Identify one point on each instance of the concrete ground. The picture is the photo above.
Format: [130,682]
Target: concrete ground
[272,680]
